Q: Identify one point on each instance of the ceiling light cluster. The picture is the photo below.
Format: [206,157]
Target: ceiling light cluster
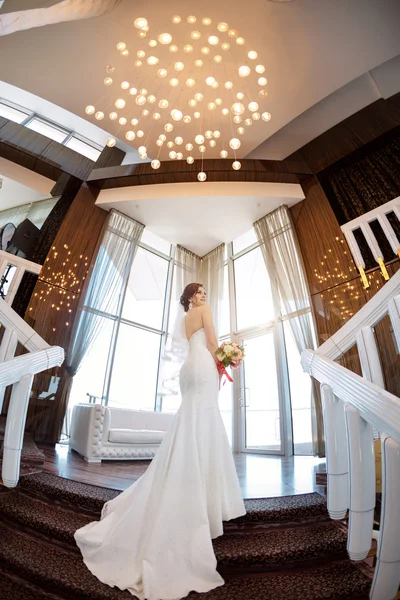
[183,79]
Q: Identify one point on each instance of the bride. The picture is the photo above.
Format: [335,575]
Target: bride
[155,539]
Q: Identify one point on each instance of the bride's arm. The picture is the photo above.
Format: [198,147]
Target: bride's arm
[212,342]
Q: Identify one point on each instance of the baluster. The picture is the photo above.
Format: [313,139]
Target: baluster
[336,453]
[394,313]
[369,356]
[7,351]
[362,483]
[387,571]
[14,432]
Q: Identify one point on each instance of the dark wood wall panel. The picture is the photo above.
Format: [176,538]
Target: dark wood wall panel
[39,153]
[56,296]
[327,258]
[350,135]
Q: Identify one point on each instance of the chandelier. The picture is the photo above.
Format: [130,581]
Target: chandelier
[191,91]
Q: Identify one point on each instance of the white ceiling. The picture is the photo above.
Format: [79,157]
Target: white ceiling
[320,59]
[200,217]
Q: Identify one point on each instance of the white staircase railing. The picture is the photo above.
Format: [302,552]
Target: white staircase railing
[363,222]
[19,371]
[353,407]
[19,267]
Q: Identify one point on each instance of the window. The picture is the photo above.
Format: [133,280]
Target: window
[47,129]
[244,241]
[83,148]
[152,240]
[224,313]
[13,114]
[135,366]
[253,290]
[145,294]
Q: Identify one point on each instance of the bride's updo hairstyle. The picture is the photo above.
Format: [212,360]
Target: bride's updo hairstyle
[189,291]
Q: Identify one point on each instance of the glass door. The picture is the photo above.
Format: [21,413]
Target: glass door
[261,413]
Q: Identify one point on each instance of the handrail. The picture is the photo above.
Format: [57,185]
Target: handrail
[13,370]
[372,312]
[18,261]
[25,334]
[375,405]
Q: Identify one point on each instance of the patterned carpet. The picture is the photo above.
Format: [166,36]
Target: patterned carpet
[32,459]
[283,549]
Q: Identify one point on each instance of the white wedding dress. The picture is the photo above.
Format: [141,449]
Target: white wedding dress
[154,539]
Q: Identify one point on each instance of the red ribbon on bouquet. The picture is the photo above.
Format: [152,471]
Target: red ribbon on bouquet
[222,371]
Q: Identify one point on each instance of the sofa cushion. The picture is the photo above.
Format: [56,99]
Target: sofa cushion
[135,436]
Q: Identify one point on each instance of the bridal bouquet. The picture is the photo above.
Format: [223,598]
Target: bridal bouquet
[231,355]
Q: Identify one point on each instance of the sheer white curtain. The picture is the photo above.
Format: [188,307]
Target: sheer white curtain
[212,277]
[283,258]
[103,293]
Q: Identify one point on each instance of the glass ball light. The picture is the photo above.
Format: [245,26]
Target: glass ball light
[215,85]
[248,122]
[138,63]
[232,33]
[113,116]
[108,81]
[228,85]
[159,143]
[99,115]
[217,134]
[205,50]
[190,160]
[152,60]
[195,35]
[225,112]
[168,127]
[121,46]
[212,143]
[151,99]
[90,110]
[140,133]
[260,69]
[120,103]
[111,142]
[237,119]
[190,82]
[199,139]
[178,141]
[198,63]
[191,19]
[125,52]
[142,34]
[179,66]
[173,48]
[172,154]
[225,46]
[263,93]
[174,82]
[140,22]
[187,49]
[134,122]
[176,114]
[165,38]
[133,91]
[237,108]
[206,21]
[140,100]
[223,154]
[189,147]
[110,69]
[244,71]
[240,95]
[252,54]
[130,135]
[262,81]
[153,43]
[201,176]
[197,115]
[140,53]
[170,144]
[176,19]
[198,97]
[213,40]
[235,144]
[253,106]
[143,92]
[211,106]
[218,58]
[236,165]
[179,155]
[256,116]
[208,135]
[192,103]
[162,73]
[218,101]
[155,164]
[241,130]
[122,121]
[162,137]
[187,119]
[163,103]
[210,80]
[240,41]
[142,149]
[145,112]
[222,26]
[266,116]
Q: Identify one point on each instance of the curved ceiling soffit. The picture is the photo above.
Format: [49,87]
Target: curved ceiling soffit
[68,10]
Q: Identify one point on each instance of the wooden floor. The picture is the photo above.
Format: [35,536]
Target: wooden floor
[260,476]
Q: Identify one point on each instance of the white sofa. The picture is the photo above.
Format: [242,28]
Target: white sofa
[101,433]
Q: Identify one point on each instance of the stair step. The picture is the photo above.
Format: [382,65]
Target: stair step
[86,497]
[52,568]
[47,520]
[64,574]
[273,549]
[17,589]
